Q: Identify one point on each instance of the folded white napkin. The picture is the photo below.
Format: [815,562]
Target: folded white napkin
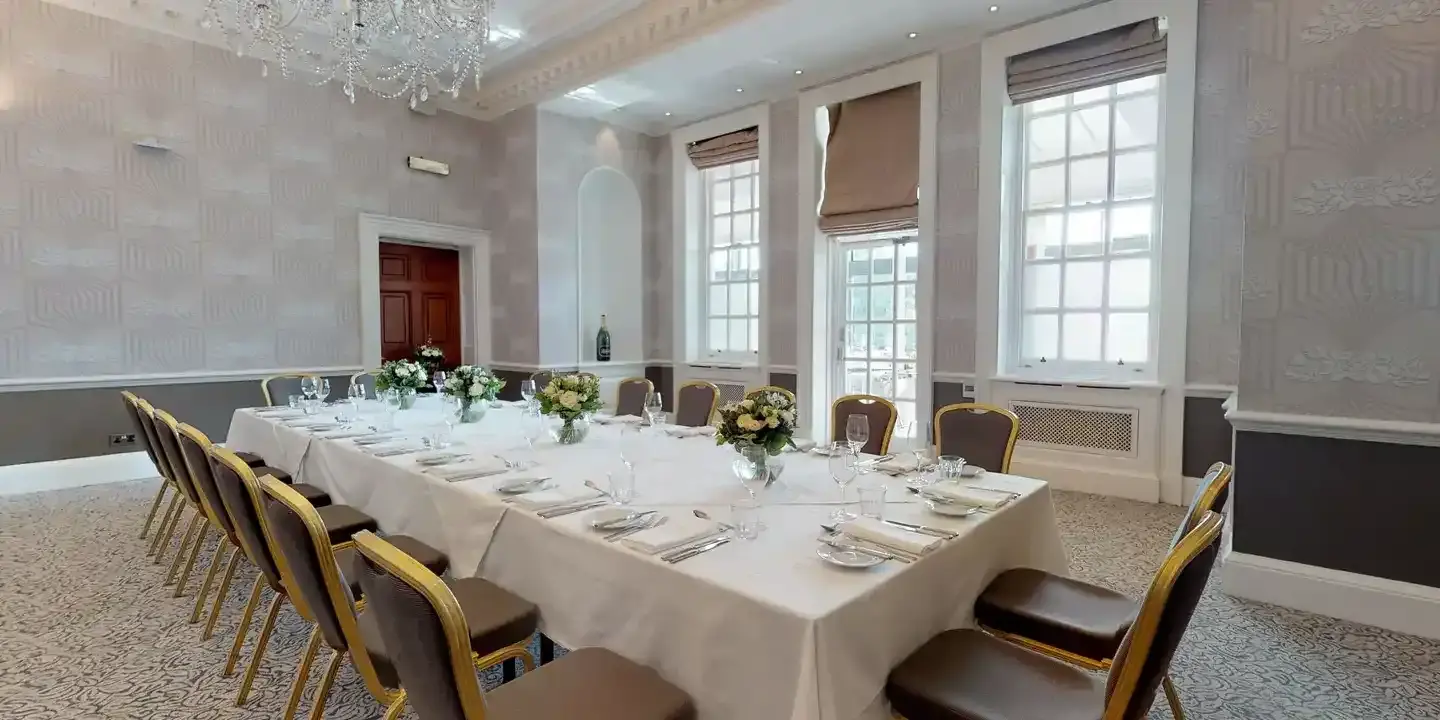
[309,423]
[387,449]
[341,434]
[678,531]
[280,413]
[804,445]
[616,419]
[681,431]
[376,438]
[972,496]
[556,497]
[898,465]
[875,531]
[483,466]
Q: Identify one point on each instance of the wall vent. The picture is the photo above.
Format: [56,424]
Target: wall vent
[1097,430]
[730,391]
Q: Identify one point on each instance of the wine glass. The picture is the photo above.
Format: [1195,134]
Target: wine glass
[842,470]
[307,386]
[322,389]
[752,468]
[532,427]
[527,389]
[857,431]
[437,379]
[654,406]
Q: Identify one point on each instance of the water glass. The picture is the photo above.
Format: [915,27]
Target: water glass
[842,471]
[322,389]
[622,485]
[527,390]
[745,516]
[295,400]
[385,417]
[951,467]
[872,501]
[752,468]
[654,404]
[312,405]
[857,431]
[439,436]
[437,379]
[307,385]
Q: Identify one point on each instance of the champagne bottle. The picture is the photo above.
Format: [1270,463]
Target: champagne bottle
[602,342]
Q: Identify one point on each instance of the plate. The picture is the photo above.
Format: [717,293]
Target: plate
[847,558]
[439,458]
[971,471]
[611,518]
[521,485]
[950,509]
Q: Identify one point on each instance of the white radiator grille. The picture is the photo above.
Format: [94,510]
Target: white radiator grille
[731,392]
[1068,427]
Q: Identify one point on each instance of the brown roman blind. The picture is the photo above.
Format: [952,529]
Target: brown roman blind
[738,146]
[872,164]
[1123,53]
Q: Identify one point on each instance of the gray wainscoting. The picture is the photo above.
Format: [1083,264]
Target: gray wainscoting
[1208,438]
[948,393]
[663,378]
[1361,507]
[512,379]
[789,381]
[73,423]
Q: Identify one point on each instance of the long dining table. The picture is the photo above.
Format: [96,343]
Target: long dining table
[753,630]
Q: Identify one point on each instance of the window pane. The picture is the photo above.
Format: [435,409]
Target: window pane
[1085,233]
[1082,336]
[909,261]
[1041,287]
[1090,130]
[1128,338]
[754,336]
[742,226]
[720,173]
[855,378]
[720,198]
[718,337]
[755,299]
[1046,137]
[738,263]
[754,254]
[744,195]
[1053,103]
[1084,286]
[1140,85]
[719,265]
[882,302]
[907,302]
[749,167]
[1135,175]
[905,387]
[1085,96]
[720,232]
[1040,336]
[857,265]
[1137,121]
[882,264]
[719,300]
[1044,236]
[882,340]
[738,303]
[859,304]
[857,340]
[1089,180]
[882,380]
[1130,283]
[906,339]
[739,335]
[1045,188]
[1130,228]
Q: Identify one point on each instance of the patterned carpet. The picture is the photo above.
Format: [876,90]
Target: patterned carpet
[87,634]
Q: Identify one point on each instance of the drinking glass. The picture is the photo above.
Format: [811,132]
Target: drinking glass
[532,427]
[752,468]
[857,431]
[322,389]
[654,406]
[951,467]
[439,435]
[842,471]
[527,390]
[622,485]
[307,385]
[294,401]
[872,501]
[745,516]
[437,379]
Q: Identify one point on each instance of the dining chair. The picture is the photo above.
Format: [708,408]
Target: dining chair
[1075,621]
[282,386]
[769,389]
[501,623]
[424,624]
[364,376]
[542,378]
[165,425]
[971,675]
[631,395]
[882,414]
[241,492]
[983,434]
[132,409]
[695,403]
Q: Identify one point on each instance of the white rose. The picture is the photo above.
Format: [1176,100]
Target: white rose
[773,422]
[748,404]
[475,391]
[569,399]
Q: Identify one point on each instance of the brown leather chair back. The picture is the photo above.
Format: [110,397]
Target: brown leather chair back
[423,629]
[194,445]
[303,558]
[147,423]
[882,414]
[695,403]
[1144,657]
[165,430]
[277,389]
[1214,490]
[133,410]
[769,389]
[541,378]
[630,398]
[982,434]
[229,474]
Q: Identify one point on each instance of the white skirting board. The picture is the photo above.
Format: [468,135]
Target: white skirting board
[1399,606]
[75,472]
[1090,479]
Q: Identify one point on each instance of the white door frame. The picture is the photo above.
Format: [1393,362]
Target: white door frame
[839,319]
[474,248]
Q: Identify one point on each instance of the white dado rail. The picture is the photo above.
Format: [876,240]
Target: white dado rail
[1398,432]
[179,378]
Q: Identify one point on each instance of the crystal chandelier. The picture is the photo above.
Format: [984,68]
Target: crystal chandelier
[388,47]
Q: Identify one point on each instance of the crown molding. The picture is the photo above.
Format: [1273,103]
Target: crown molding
[1395,432]
[654,27]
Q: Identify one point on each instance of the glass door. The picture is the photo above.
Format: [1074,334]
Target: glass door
[876,282]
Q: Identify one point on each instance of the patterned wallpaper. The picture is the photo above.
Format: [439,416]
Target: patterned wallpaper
[233,251]
[1341,301]
[659,252]
[510,200]
[957,222]
[782,206]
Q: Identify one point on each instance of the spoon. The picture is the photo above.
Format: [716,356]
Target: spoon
[706,516]
[591,484]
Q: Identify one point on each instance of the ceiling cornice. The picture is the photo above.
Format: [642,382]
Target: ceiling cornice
[654,27]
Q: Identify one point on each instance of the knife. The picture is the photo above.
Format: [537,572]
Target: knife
[923,529]
[687,547]
[707,547]
[568,509]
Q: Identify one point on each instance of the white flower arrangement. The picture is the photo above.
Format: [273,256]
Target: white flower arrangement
[401,375]
[765,419]
[432,357]
[469,384]
[570,396]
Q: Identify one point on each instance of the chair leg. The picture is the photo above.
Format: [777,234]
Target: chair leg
[322,693]
[209,580]
[165,527]
[1173,698]
[397,707]
[220,595]
[204,535]
[154,508]
[302,674]
[190,529]
[244,630]
[259,656]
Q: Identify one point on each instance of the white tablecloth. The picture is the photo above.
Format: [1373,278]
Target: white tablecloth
[753,630]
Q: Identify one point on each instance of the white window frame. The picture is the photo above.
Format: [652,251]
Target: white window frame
[1016,363]
[753,312]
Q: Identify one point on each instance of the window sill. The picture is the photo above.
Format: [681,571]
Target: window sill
[722,365]
[1081,382]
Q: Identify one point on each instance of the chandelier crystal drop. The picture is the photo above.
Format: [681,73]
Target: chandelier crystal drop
[387,47]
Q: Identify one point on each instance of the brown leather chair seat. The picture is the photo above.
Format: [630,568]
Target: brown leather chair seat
[349,559]
[251,459]
[316,496]
[1062,612]
[343,521]
[968,675]
[262,470]
[495,616]
[591,683]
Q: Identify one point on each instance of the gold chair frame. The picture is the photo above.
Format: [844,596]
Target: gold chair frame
[133,401]
[649,385]
[985,407]
[457,631]
[771,388]
[889,426]
[235,550]
[265,384]
[204,520]
[714,396]
[535,377]
[164,534]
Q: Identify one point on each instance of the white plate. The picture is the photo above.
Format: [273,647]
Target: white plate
[611,518]
[971,471]
[440,458]
[521,485]
[950,509]
[847,558]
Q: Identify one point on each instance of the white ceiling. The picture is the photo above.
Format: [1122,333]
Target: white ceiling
[826,39]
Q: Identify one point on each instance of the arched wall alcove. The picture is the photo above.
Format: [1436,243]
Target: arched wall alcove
[611,277]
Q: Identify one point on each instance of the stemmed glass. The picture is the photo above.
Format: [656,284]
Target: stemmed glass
[322,389]
[527,390]
[437,379]
[308,386]
[843,460]
[857,431]
[654,408]
[752,469]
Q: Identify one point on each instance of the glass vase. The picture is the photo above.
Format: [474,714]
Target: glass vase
[472,412]
[569,431]
[407,398]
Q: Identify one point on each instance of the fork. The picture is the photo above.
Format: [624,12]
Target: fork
[627,532]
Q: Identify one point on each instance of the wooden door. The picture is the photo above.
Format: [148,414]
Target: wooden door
[419,300]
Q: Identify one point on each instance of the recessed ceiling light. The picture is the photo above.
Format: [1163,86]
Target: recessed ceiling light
[914,35]
[667,114]
[739,89]
[799,72]
[994,8]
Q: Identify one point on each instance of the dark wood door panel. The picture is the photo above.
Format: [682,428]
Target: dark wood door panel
[420,300]
[394,325]
[394,267]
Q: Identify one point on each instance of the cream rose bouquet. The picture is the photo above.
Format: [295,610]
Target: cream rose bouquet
[469,384]
[765,419]
[401,375]
[570,397]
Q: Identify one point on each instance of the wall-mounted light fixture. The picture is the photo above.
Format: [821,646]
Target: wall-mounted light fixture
[429,166]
